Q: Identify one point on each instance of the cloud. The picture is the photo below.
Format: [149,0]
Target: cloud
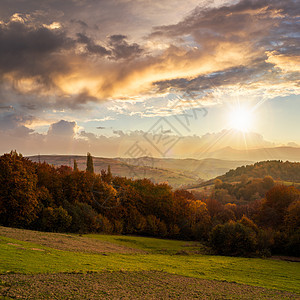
[211,46]
[287,63]
[27,51]
[7,107]
[138,50]
[63,129]
[80,22]
[63,138]
[91,46]
[119,132]
[16,124]
[121,49]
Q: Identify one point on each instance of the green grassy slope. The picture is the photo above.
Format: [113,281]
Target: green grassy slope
[24,257]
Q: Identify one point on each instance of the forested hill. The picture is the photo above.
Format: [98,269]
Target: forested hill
[279,170]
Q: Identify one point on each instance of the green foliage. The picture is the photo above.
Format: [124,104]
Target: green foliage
[55,219]
[233,238]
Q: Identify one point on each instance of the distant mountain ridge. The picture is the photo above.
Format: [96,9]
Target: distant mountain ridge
[261,154]
[177,172]
[202,168]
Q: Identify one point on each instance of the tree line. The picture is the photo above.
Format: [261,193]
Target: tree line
[277,169]
[42,197]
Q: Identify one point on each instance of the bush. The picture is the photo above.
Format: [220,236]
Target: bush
[56,219]
[293,245]
[234,239]
[162,229]
[151,225]
[105,225]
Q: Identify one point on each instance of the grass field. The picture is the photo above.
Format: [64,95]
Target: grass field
[48,259]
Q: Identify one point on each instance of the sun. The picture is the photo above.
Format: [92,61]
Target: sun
[241,119]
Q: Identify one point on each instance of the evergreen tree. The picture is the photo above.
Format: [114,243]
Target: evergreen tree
[75,165]
[89,163]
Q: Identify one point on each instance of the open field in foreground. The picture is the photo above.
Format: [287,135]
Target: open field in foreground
[36,265]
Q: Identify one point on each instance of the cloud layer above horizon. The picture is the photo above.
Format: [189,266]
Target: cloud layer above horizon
[60,59]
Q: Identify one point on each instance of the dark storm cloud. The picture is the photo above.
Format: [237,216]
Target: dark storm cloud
[121,49]
[32,51]
[118,47]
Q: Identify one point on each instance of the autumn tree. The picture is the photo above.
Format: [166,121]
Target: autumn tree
[18,195]
[276,204]
[106,176]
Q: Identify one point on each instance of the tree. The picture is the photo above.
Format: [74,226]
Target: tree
[233,238]
[106,176]
[75,166]
[218,182]
[109,173]
[18,193]
[292,217]
[268,182]
[276,204]
[56,219]
[89,163]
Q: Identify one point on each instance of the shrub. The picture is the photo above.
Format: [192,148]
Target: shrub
[233,238]
[56,219]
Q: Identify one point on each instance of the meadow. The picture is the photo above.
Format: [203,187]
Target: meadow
[34,261]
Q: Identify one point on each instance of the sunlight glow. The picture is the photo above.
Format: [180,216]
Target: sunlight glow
[241,119]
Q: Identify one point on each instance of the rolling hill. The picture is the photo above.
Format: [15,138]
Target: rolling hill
[177,172]
[279,170]
[288,172]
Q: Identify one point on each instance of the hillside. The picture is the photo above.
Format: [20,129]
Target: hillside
[283,171]
[204,168]
[97,266]
[177,172]
[137,170]
[280,171]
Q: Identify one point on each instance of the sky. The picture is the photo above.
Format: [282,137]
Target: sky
[126,78]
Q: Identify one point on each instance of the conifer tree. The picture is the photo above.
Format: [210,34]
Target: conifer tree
[75,165]
[89,163]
